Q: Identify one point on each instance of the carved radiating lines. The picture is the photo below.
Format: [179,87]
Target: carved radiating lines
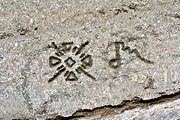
[70,67]
[69,63]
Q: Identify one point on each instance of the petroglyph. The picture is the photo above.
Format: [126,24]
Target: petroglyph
[116,62]
[66,65]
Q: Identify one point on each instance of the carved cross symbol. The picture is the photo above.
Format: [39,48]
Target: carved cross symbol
[64,65]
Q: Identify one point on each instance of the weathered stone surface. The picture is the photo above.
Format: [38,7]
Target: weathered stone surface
[165,111]
[131,48]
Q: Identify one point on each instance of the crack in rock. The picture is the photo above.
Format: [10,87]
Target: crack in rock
[125,105]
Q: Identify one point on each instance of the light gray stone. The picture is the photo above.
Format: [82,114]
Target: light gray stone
[164,111]
[150,27]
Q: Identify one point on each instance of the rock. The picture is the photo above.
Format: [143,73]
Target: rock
[60,57]
[164,111]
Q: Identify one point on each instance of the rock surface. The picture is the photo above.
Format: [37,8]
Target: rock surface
[165,111]
[59,57]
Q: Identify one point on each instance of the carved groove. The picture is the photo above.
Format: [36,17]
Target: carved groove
[116,62]
[135,51]
[61,50]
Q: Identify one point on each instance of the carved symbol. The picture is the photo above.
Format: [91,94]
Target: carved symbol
[71,77]
[116,62]
[87,61]
[71,61]
[53,61]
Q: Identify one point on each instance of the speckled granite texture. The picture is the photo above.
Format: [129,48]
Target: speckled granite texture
[58,57]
